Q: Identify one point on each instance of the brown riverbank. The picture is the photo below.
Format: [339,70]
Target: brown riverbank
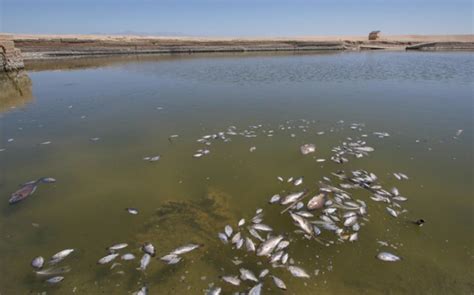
[66,46]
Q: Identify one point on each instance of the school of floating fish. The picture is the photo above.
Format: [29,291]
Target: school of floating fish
[328,214]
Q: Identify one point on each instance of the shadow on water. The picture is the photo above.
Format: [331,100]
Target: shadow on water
[15,90]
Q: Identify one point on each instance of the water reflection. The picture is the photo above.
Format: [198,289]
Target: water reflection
[15,90]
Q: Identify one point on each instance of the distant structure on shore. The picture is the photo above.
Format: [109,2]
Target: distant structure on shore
[10,57]
[374,35]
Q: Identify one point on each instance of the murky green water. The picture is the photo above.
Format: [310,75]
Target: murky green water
[134,104]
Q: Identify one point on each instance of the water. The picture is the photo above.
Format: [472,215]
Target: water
[134,104]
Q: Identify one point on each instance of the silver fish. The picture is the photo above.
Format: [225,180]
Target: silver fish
[214,291]
[262,227]
[60,256]
[316,202]
[255,234]
[307,148]
[353,237]
[239,243]
[274,199]
[279,283]
[236,238]
[249,244]
[291,198]
[298,181]
[145,261]
[350,221]
[284,258]
[399,198]
[128,256]
[228,230]
[108,258]
[37,262]
[267,247]
[263,273]
[282,245]
[389,257]
[55,280]
[47,180]
[392,212]
[223,238]
[298,272]
[241,222]
[276,257]
[169,257]
[53,271]
[233,280]
[247,275]
[149,249]
[256,290]
[117,247]
[132,211]
[143,291]
[24,192]
[185,249]
[174,260]
[302,223]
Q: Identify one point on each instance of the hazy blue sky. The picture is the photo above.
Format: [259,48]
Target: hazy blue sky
[237,17]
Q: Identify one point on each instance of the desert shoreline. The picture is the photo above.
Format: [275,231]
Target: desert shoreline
[38,47]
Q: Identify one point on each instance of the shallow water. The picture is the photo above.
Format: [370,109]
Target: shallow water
[134,104]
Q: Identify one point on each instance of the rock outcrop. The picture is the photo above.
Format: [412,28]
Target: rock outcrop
[10,57]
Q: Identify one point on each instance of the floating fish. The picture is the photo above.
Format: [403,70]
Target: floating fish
[262,227]
[108,258]
[279,283]
[233,280]
[256,290]
[145,261]
[127,256]
[302,223]
[117,247]
[228,230]
[389,257]
[53,271]
[47,180]
[247,275]
[241,222]
[291,198]
[350,221]
[307,148]
[252,149]
[263,273]
[24,192]
[267,247]
[214,291]
[249,245]
[298,181]
[149,249]
[316,202]
[236,238]
[37,262]
[132,211]
[60,256]
[143,291]
[55,280]
[298,272]
[185,249]
[392,212]
[223,238]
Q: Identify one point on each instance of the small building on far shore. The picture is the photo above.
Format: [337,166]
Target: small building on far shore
[374,35]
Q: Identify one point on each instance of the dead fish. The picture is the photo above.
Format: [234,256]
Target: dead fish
[108,258]
[185,249]
[174,260]
[395,191]
[397,176]
[353,237]
[127,256]
[145,261]
[247,275]
[249,245]
[350,221]
[291,198]
[236,238]
[149,249]
[143,291]
[298,181]
[276,257]
[279,283]
[262,227]
[255,234]
[47,180]
[316,202]
[214,291]
[298,272]
[55,280]
[37,262]
[24,192]
[459,132]
[233,280]
[60,256]
[197,155]
[399,198]
[267,247]
[256,290]
[284,258]
[152,158]
[392,212]
[263,273]
[239,244]
[241,222]
[228,230]
[389,257]
[117,247]
[53,271]
[302,223]
[223,238]
[282,245]
[307,148]
[132,211]
[280,178]
[252,149]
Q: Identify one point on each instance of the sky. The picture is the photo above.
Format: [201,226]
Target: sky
[264,18]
